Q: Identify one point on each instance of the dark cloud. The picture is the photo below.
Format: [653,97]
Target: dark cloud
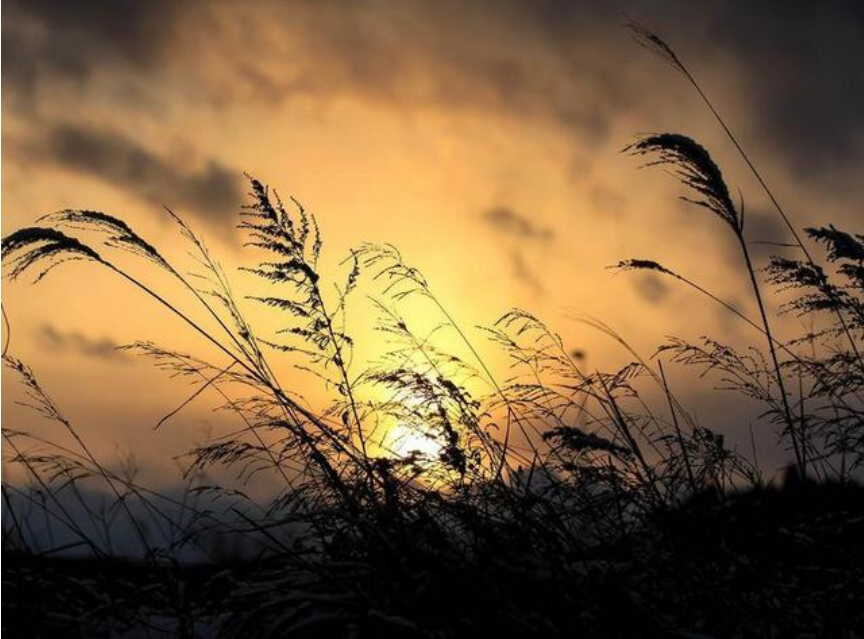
[79,344]
[513,224]
[650,287]
[46,41]
[805,78]
[766,234]
[481,55]
[48,46]
[799,66]
[213,191]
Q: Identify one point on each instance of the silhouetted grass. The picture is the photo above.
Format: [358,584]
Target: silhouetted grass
[552,501]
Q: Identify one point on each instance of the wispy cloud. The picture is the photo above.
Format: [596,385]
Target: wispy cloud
[521,234]
[79,344]
[517,225]
[650,287]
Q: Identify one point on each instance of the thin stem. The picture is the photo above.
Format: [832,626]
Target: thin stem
[678,433]
[773,351]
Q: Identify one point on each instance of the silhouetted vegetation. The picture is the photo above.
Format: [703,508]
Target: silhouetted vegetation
[555,501]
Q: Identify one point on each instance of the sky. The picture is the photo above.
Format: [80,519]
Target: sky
[482,138]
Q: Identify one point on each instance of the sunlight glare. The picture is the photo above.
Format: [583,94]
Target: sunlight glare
[403,440]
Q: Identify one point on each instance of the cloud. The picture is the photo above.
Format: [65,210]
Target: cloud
[569,63]
[79,344]
[54,52]
[518,230]
[525,274]
[213,191]
[566,63]
[513,224]
[650,287]
[533,61]
[45,41]
[796,68]
[803,76]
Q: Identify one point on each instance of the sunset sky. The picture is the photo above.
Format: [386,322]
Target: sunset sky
[482,138]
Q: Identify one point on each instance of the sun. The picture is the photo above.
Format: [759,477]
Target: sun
[404,441]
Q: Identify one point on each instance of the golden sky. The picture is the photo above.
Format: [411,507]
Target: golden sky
[481,138]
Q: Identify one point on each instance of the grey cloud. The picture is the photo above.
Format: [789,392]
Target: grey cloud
[45,41]
[650,287]
[213,191]
[513,224]
[766,235]
[805,78]
[799,63]
[79,344]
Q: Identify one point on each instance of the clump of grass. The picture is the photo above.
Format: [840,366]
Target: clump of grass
[697,171]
